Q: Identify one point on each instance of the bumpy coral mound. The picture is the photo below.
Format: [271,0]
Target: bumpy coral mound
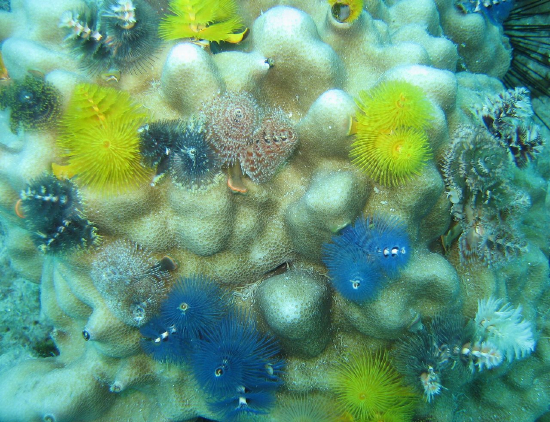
[218,262]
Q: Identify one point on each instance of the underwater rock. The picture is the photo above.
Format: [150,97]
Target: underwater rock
[296,307]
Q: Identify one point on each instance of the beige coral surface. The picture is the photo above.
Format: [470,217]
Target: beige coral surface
[315,69]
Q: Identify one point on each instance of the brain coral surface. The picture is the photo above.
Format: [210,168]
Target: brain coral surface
[281,104]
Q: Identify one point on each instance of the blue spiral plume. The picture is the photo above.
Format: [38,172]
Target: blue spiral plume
[193,306]
[242,403]
[163,343]
[352,271]
[388,241]
[237,367]
[361,255]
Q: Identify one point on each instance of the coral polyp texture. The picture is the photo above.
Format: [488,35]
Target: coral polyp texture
[272,210]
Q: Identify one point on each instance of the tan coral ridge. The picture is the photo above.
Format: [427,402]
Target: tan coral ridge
[301,60]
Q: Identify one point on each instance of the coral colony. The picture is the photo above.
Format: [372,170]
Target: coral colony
[327,210]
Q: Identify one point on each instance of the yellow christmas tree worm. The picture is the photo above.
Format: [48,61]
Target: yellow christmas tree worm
[390,142]
[99,137]
[211,20]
